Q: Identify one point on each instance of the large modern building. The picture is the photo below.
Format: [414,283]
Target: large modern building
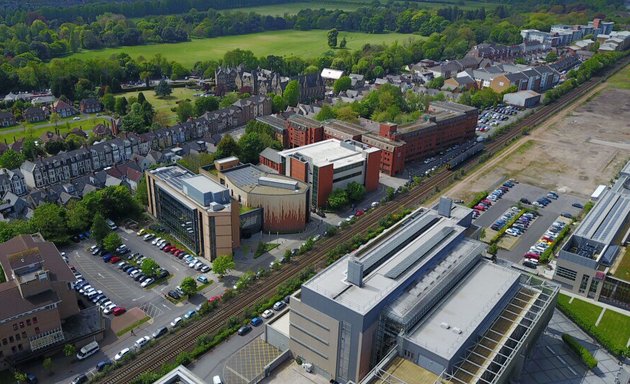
[447,124]
[423,292]
[585,260]
[36,298]
[284,201]
[303,131]
[328,165]
[197,210]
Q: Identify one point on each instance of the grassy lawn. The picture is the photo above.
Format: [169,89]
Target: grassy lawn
[165,104]
[623,268]
[621,79]
[281,43]
[617,326]
[586,311]
[35,130]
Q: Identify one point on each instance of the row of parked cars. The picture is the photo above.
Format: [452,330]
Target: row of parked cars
[190,260]
[495,195]
[532,257]
[492,117]
[96,296]
[521,224]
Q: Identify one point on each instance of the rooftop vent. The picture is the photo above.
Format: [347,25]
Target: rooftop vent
[456,330]
[445,325]
[355,272]
[445,206]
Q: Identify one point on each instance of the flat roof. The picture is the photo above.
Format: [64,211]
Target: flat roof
[281,323]
[204,184]
[345,127]
[253,179]
[386,263]
[327,152]
[172,179]
[465,308]
[401,371]
[609,213]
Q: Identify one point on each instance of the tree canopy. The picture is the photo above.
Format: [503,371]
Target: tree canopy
[223,264]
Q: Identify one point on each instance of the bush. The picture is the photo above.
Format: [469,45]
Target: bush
[477,198]
[582,352]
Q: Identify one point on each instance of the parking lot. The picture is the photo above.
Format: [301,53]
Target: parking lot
[494,117]
[547,216]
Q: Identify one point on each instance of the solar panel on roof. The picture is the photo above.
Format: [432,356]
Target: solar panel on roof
[419,253]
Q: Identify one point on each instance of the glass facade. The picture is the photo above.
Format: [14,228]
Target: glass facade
[615,292]
[178,218]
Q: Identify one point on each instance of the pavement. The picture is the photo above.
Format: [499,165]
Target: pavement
[552,362]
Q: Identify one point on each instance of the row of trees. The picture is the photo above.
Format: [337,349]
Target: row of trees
[58,223]
[257,137]
[340,198]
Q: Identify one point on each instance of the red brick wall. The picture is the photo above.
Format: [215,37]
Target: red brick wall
[273,165]
[298,170]
[325,184]
[299,137]
[372,171]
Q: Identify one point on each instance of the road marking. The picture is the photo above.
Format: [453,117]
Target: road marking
[175,268]
[102,277]
[164,305]
[138,298]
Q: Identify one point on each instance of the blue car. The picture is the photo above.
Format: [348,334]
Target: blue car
[256,321]
[190,314]
[107,257]
[103,364]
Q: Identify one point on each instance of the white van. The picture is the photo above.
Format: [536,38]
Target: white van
[88,350]
[217,380]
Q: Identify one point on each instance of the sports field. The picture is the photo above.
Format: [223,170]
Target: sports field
[281,43]
[164,104]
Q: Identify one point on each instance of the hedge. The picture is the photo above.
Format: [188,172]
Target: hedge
[548,253]
[477,198]
[582,352]
[507,225]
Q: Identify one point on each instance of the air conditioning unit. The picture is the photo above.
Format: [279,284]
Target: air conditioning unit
[445,325]
[457,330]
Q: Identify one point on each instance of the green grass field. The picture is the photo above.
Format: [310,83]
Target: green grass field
[35,130]
[623,268]
[164,104]
[620,80]
[586,311]
[617,326]
[282,43]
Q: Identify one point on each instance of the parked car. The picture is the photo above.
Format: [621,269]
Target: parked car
[80,379]
[141,342]
[121,354]
[117,311]
[577,205]
[244,330]
[101,365]
[174,294]
[267,314]
[190,314]
[202,279]
[147,282]
[567,215]
[279,305]
[176,322]
[159,332]
[256,321]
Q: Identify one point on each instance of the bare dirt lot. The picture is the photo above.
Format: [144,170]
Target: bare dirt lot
[573,152]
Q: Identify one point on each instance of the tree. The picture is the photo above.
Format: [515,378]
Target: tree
[332,38]
[120,107]
[47,364]
[163,89]
[277,104]
[228,99]
[493,249]
[223,264]
[436,83]
[54,118]
[355,191]
[149,267]
[20,377]
[184,111]
[99,228]
[189,286]
[326,113]
[142,196]
[291,94]
[53,147]
[338,199]
[343,43]
[342,84]
[109,102]
[551,57]
[11,159]
[206,104]
[69,350]
[227,147]
[77,216]
[50,220]
[112,241]
[30,150]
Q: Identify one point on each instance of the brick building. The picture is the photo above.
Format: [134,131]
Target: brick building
[446,124]
[36,297]
[328,165]
[303,131]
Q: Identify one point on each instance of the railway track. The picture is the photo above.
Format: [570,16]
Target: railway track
[184,340]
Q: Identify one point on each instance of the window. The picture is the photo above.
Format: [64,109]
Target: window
[11,339]
[20,347]
[24,335]
[5,341]
[17,337]
[566,273]
[584,283]
[35,320]
[21,324]
[37,330]
[28,322]
[15,327]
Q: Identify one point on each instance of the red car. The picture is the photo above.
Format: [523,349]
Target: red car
[117,311]
[179,253]
[173,250]
[168,248]
[480,207]
[114,259]
[486,201]
[214,298]
[359,212]
[532,255]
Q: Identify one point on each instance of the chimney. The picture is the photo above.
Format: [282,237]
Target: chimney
[445,206]
[355,272]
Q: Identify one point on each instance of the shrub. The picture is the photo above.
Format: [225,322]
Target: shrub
[582,352]
[477,198]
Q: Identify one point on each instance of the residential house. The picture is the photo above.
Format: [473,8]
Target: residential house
[12,206]
[90,105]
[35,114]
[12,181]
[6,119]
[63,109]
